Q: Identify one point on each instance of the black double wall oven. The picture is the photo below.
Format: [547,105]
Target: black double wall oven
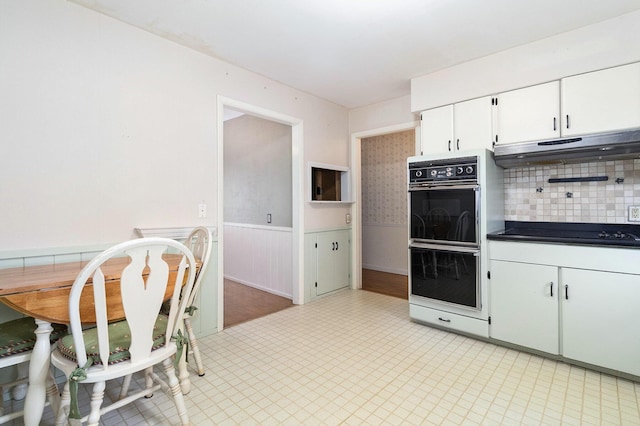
[453,202]
[444,247]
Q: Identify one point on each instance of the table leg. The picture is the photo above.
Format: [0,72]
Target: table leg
[38,373]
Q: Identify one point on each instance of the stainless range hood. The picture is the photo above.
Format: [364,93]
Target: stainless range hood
[596,147]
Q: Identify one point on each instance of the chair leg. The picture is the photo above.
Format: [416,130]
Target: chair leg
[455,264]
[53,395]
[193,342]
[464,264]
[126,382]
[434,260]
[176,391]
[96,402]
[148,380]
[63,408]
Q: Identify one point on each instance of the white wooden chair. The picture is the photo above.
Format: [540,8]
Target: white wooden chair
[145,338]
[199,242]
[17,339]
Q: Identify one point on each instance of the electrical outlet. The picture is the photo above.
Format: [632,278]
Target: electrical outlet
[634,213]
[348,218]
[202,210]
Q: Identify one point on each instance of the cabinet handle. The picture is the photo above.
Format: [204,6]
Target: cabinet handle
[444,320]
[567,121]
[551,288]
[458,144]
[337,246]
[554,124]
[449,144]
[566,292]
[333,246]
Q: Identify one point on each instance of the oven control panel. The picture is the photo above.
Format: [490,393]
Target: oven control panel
[456,170]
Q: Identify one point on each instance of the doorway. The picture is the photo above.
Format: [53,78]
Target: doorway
[257,217]
[381,228]
[268,222]
[384,211]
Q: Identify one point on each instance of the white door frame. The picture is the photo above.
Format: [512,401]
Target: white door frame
[297,175]
[356,168]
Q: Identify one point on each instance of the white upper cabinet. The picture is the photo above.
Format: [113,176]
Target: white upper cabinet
[601,101]
[595,102]
[437,130]
[462,126]
[527,114]
[472,124]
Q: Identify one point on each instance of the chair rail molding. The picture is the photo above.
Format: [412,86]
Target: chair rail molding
[179,233]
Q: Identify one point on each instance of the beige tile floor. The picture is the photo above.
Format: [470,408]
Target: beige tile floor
[356,358]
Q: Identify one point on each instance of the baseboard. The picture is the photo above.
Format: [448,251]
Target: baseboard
[397,271]
[259,287]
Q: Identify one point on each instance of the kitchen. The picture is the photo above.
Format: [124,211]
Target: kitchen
[591,119]
[68,119]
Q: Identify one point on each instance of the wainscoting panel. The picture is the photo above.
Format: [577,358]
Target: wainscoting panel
[259,256]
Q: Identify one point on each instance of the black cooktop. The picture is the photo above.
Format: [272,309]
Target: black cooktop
[570,233]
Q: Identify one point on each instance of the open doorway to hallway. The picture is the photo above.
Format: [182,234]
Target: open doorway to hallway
[257,222]
[384,211]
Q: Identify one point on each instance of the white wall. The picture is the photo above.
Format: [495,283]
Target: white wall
[106,127]
[372,120]
[384,200]
[257,171]
[606,44]
[383,114]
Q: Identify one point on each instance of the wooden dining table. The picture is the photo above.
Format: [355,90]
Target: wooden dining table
[42,292]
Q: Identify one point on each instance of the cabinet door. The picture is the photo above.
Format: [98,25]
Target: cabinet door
[437,130]
[524,305]
[341,262]
[529,114]
[601,101]
[600,319]
[472,124]
[325,271]
[333,261]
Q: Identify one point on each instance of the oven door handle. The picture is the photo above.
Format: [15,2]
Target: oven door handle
[438,247]
[428,187]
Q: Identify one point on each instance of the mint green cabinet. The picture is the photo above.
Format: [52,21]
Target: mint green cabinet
[327,262]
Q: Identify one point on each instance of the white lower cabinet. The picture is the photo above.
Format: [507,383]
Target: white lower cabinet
[584,315]
[327,262]
[600,318]
[524,305]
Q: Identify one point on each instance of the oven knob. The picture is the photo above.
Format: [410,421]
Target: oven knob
[434,172]
[459,171]
[419,173]
[449,174]
[469,170]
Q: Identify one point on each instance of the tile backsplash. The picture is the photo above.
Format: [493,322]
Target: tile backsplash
[530,197]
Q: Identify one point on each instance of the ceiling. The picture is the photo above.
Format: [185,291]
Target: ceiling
[355,52]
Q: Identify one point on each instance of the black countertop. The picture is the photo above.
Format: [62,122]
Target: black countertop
[602,234]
